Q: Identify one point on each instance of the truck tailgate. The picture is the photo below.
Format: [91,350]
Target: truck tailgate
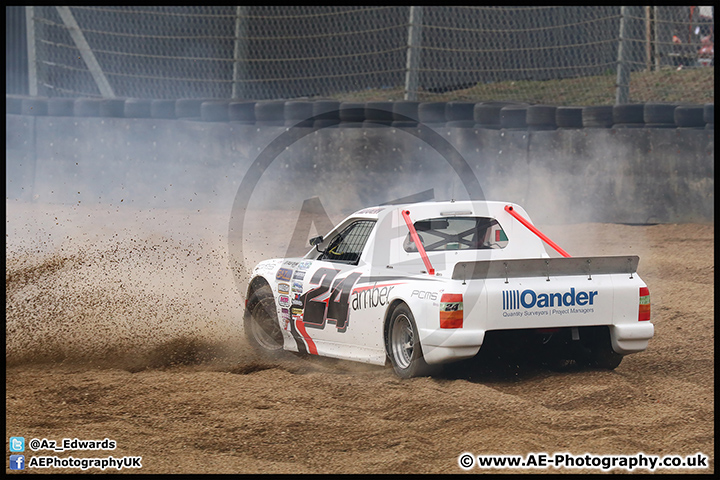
[554,292]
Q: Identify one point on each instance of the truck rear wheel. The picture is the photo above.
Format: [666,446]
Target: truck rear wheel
[598,351]
[402,343]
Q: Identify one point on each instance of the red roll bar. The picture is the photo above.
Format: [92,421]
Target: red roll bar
[537,232]
[418,243]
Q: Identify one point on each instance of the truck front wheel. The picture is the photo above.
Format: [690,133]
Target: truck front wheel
[262,329]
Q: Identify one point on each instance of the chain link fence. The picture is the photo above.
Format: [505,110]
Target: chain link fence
[557,55]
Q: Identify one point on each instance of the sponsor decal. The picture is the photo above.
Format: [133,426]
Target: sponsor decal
[283,288]
[284,300]
[285,318]
[298,275]
[371,297]
[577,302]
[297,286]
[265,266]
[284,274]
[424,295]
[304,265]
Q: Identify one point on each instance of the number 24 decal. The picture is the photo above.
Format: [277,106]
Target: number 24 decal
[329,301]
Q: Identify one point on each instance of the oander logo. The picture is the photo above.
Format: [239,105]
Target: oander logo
[515,299]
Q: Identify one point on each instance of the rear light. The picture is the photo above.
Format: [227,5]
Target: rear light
[451,310]
[644,311]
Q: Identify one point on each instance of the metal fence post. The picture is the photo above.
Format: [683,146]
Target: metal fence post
[32,65]
[622,94]
[240,53]
[413,53]
[85,52]
[656,22]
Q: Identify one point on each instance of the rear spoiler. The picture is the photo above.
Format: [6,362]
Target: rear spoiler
[545,267]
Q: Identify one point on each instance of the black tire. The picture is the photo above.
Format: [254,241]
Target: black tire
[61,107]
[326,110]
[597,351]
[628,113]
[13,104]
[37,106]
[162,109]
[214,111]
[261,325]
[402,344]
[487,114]
[431,113]
[112,107]
[405,114]
[87,107]
[270,112]
[628,125]
[568,117]
[599,116]
[379,113]
[514,116]
[351,114]
[405,111]
[137,108]
[659,113]
[542,116]
[241,112]
[298,112]
[326,113]
[709,113]
[188,107]
[689,116]
[460,112]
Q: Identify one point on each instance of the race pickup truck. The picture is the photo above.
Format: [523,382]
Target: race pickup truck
[429,283]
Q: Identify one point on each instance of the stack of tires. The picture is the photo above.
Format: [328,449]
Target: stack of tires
[324,113]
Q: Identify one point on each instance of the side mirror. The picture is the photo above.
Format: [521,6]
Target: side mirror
[315,241]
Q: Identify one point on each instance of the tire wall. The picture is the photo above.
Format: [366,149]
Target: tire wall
[560,175]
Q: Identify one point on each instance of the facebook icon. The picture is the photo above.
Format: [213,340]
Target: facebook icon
[17,462]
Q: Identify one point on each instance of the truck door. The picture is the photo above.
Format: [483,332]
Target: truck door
[326,286]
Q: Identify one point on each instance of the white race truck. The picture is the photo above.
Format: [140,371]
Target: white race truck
[423,284]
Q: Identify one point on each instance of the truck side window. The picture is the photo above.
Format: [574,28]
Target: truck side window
[348,245]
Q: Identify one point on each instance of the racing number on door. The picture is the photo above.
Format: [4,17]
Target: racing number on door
[339,302]
[320,306]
